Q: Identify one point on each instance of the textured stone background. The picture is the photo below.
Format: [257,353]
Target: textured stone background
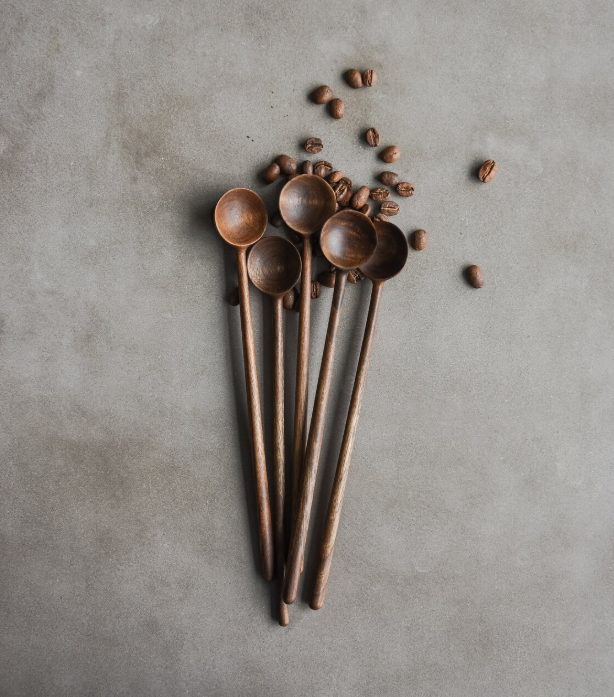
[475,551]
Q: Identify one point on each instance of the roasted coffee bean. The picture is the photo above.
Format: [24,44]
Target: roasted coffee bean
[390,154]
[286,164]
[420,239]
[487,174]
[353,78]
[271,173]
[337,108]
[327,279]
[322,169]
[369,78]
[381,218]
[233,297]
[372,137]
[289,299]
[343,191]
[276,219]
[405,189]
[366,209]
[360,197]
[389,208]
[389,178]
[380,194]
[355,276]
[316,289]
[475,276]
[314,146]
[307,167]
[335,177]
[322,95]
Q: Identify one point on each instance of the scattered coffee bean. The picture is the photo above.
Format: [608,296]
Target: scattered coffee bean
[487,174]
[380,194]
[286,164]
[322,169]
[389,208]
[475,276]
[289,299]
[390,154]
[322,95]
[372,137]
[271,173]
[337,108]
[381,218]
[314,145]
[316,290]
[233,297]
[355,276]
[335,177]
[420,239]
[276,219]
[353,78]
[343,192]
[389,178]
[405,189]
[359,199]
[369,78]
[307,167]
[366,209]
[327,279]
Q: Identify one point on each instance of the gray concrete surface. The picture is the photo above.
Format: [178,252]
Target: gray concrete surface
[475,552]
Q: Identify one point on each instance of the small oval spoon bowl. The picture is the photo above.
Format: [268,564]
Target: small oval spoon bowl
[274,266]
[306,203]
[348,239]
[390,253]
[240,217]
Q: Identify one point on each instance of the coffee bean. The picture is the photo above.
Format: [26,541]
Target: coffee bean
[335,177]
[314,146]
[316,290]
[369,78]
[327,279]
[276,219]
[389,178]
[355,276]
[343,192]
[380,194]
[233,297]
[487,174]
[389,208]
[290,299]
[381,218]
[353,78]
[271,173]
[390,154]
[420,239]
[372,137]
[307,167]
[405,189]
[337,109]
[366,209]
[475,276]
[359,199]
[286,164]
[322,169]
[322,95]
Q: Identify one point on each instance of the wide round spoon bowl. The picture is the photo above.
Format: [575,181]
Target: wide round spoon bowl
[274,266]
[241,217]
[348,239]
[306,203]
[390,253]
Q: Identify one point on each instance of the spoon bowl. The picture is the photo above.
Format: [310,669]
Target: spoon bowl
[240,217]
[274,265]
[306,203]
[390,253]
[348,239]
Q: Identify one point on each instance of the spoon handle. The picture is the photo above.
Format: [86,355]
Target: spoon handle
[278,453]
[314,444]
[343,464]
[255,417]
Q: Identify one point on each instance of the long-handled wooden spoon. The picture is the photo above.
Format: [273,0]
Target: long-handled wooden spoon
[305,203]
[348,240]
[274,267]
[387,261]
[241,219]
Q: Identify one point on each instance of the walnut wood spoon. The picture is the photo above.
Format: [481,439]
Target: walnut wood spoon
[348,240]
[305,204]
[274,267]
[387,261]
[241,219]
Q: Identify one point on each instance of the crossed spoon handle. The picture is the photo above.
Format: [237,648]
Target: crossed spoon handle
[343,464]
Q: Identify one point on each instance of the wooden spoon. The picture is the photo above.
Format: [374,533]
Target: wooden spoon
[387,261]
[348,240]
[305,204]
[274,267]
[241,219]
